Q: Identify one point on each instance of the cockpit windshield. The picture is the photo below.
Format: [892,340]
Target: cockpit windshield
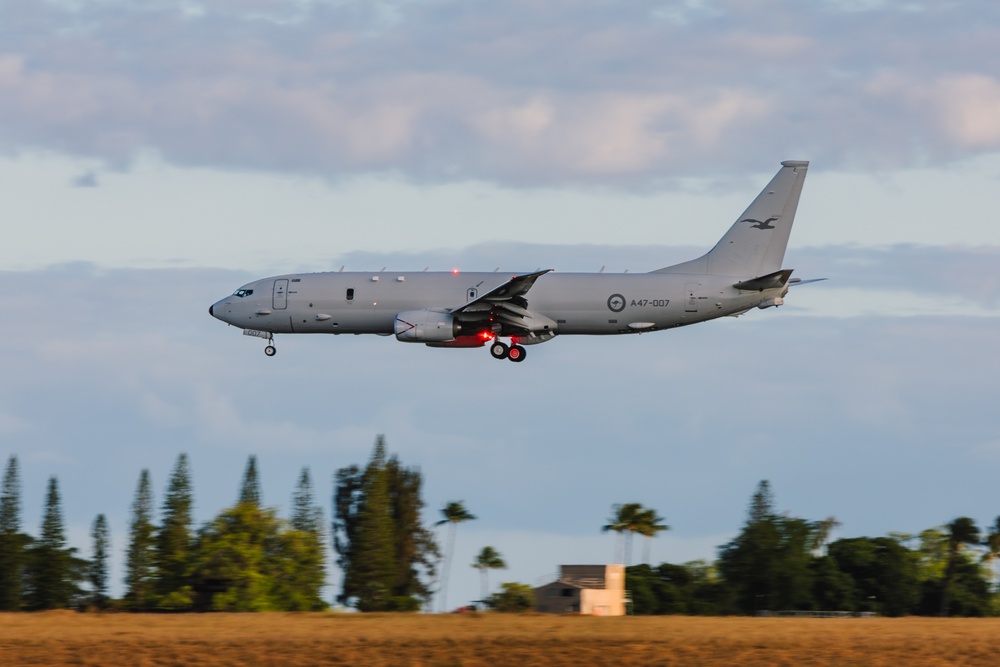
[243,292]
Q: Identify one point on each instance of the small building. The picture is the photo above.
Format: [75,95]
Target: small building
[597,590]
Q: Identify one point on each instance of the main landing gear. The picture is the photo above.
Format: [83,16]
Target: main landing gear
[515,353]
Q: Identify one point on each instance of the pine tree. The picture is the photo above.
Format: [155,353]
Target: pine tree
[250,487]
[381,544]
[306,514]
[52,570]
[416,550]
[140,559]
[12,542]
[374,553]
[174,540]
[309,555]
[98,570]
[768,564]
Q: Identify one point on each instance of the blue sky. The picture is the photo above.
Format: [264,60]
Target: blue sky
[155,157]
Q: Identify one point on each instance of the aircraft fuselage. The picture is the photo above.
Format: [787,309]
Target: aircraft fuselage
[576,303]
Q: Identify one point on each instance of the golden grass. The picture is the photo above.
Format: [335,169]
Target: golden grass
[55,639]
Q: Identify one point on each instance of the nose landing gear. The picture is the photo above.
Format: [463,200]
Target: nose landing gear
[515,353]
[270,350]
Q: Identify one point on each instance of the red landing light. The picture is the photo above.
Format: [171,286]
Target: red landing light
[486,335]
[454,272]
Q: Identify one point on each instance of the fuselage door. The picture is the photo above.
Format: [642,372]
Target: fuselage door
[280,299]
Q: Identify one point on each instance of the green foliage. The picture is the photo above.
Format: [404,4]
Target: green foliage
[453,513]
[884,574]
[250,486]
[630,519]
[488,559]
[692,588]
[961,532]
[98,570]
[307,545]
[13,552]
[374,552]
[416,551]
[249,560]
[512,598]
[381,544]
[174,540]
[768,563]
[141,556]
[53,572]
[306,514]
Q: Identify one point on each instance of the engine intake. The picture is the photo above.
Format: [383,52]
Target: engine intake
[425,326]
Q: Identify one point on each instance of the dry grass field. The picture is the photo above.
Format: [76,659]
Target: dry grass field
[488,640]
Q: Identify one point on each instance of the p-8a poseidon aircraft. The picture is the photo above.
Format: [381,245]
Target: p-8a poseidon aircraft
[455,309]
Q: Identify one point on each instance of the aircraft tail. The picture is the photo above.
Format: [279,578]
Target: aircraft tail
[755,245]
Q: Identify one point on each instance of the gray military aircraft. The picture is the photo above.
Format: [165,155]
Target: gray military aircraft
[455,309]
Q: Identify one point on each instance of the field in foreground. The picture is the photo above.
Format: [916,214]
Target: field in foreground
[65,638]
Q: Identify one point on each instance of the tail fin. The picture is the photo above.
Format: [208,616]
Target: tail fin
[755,245]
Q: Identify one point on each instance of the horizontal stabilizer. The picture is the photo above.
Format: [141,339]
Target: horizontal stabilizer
[770,281]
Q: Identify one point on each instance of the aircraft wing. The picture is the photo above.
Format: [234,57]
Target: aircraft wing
[506,293]
[505,305]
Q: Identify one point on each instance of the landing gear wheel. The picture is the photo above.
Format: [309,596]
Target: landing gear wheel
[270,350]
[499,350]
[516,353]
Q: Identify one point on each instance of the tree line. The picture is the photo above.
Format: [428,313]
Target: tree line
[245,559]
[783,563]
[248,558]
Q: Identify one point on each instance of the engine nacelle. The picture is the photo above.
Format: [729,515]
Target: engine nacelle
[425,326]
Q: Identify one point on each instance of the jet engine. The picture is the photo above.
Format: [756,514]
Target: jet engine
[425,326]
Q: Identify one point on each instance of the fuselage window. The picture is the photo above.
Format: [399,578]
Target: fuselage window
[243,292]
[350,294]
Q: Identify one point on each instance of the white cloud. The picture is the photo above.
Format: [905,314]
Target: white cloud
[521,94]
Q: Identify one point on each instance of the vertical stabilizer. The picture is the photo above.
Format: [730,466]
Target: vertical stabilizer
[755,244]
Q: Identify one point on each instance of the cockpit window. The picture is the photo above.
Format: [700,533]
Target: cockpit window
[243,292]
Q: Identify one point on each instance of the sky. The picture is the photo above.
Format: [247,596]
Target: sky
[155,156]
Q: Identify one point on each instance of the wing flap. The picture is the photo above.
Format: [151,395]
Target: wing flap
[515,287]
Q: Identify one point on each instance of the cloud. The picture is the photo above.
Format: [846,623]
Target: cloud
[517,93]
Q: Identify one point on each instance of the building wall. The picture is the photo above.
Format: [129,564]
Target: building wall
[584,589]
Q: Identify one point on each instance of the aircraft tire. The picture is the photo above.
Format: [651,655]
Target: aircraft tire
[516,354]
[270,350]
[499,350]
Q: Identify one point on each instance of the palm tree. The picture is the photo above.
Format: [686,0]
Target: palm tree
[454,513]
[961,532]
[625,520]
[488,559]
[649,526]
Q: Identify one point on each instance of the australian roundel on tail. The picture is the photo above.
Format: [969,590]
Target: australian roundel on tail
[458,309]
